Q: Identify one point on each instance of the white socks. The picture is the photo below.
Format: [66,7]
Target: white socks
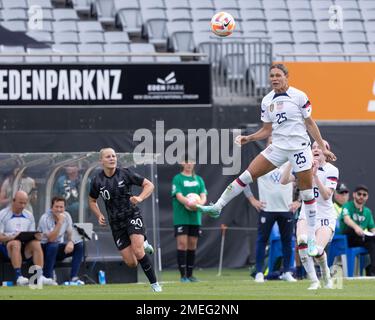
[234,189]
[323,264]
[310,211]
[307,261]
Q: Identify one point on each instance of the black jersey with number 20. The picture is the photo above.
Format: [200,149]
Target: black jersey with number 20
[116,192]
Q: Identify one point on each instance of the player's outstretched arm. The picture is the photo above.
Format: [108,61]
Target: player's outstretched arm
[314,131]
[261,134]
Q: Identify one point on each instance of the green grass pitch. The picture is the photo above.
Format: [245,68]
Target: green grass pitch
[233,284]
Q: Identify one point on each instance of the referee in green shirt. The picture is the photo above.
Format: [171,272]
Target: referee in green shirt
[188,189]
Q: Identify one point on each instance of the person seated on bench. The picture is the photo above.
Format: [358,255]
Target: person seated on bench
[57,228]
[13,220]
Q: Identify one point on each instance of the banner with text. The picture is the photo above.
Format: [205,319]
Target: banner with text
[337,90]
[131,84]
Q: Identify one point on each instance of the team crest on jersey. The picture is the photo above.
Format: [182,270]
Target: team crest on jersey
[279,105]
[272,106]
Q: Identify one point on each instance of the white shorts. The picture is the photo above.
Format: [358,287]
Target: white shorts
[301,159]
[321,222]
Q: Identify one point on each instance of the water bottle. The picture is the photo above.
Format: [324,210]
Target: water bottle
[101,277]
[7,283]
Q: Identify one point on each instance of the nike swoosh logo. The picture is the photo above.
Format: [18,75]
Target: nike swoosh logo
[227,24]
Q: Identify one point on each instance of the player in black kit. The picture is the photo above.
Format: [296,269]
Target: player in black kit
[114,185]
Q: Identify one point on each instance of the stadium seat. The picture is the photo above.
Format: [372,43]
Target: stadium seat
[16,4]
[204,14]
[82,6]
[277,14]
[180,36]
[371,37]
[38,59]
[366,5]
[158,4]
[177,4]
[89,26]
[201,26]
[156,30]
[91,37]
[305,37]
[339,247]
[275,249]
[354,37]
[104,10]
[90,48]
[303,26]
[302,15]
[368,15]
[116,37]
[42,36]
[45,4]
[357,48]
[66,37]
[295,5]
[330,37]
[65,26]
[253,14]
[65,15]
[276,25]
[246,4]
[321,5]
[202,4]
[14,25]
[274,4]
[14,14]
[65,48]
[142,48]
[347,4]
[176,14]
[116,48]
[130,20]
[254,25]
[11,49]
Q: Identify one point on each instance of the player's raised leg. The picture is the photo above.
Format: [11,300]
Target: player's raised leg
[258,167]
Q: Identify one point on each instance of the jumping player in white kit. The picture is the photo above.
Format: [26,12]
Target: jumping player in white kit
[325,176]
[286,114]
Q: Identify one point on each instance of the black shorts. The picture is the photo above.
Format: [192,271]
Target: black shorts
[188,229]
[133,225]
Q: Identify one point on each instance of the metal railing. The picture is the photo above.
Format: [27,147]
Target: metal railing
[347,57]
[239,68]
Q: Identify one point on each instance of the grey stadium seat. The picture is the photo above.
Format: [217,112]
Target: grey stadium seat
[130,20]
[152,4]
[116,37]
[43,36]
[11,49]
[254,26]
[65,48]
[347,4]
[226,4]
[353,26]
[45,4]
[253,14]
[91,37]
[181,14]
[180,36]
[202,4]
[177,4]
[17,4]
[321,4]
[331,48]
[128,4]
[246,4]
[303,26]
[298,4]
[305,37]
[202,14]
[104,10]
[306,48]
[278,25]
[274,4]
[157,31]
[142,48]
[371,37]
[62,26]
[368,15]
[357,48]
[15,14]
[201,26]
[302,15]
[90,48]
[82,6]
[281,37]
[116,48]
[153,13]
[366,5]
[277,14]
[354,37]
[38,59]
[66,37]
[89,26]
[330,37]
[14,25]
[65,15]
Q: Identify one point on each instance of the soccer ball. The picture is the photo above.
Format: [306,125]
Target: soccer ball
[193,199]
[222,24]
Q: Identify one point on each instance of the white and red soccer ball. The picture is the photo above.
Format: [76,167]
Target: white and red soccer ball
[222,24]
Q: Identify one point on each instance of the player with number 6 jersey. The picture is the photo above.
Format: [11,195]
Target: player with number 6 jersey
[114,185]
[286,115]
[325,177]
